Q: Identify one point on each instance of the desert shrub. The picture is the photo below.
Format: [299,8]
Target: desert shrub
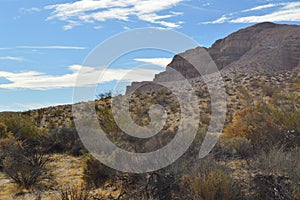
[264,125]
[252,123]
[5,145]
[76,192]
[236,147]
[22,149]
[24,162]
[3,130]
[66,140]
[280,174]
[22,126]
[95,173]
[212,182]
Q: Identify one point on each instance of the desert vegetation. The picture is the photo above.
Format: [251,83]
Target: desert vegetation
[257,156]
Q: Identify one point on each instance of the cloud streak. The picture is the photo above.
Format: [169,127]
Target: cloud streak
[12,58]
[289,11]
[90,11]
[40,81]
[53,47]
[262,7]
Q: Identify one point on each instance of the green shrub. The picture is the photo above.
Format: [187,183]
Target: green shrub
[22,126]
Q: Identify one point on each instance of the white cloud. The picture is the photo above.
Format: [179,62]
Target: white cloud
[218,21]
[289,11]
[12,58]
[162,62]
[89,11]
[41,81]
[52,47]
[271,5]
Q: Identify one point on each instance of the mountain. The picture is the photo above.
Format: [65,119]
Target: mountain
[262,48]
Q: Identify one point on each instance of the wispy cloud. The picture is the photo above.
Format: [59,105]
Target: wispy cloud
[30,10]
[289,11]
[20,59]
[1,49]
[90,11]
[52,47]
[40,81]
[162,62]
[221,20]
[271,5]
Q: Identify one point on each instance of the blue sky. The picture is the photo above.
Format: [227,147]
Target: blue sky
[43,44]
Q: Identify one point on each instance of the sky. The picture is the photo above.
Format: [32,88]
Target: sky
[44,44]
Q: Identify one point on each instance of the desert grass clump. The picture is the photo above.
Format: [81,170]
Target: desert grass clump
[280,173]
[213,182]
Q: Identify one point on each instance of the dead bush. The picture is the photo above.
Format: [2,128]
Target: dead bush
[76,192]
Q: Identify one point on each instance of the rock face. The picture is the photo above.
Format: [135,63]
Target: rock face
[262,48]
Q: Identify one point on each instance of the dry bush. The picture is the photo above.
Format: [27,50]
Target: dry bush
[22,150]
[265,125]
[76,192]
[24,163]
[212,182]
[255,124]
